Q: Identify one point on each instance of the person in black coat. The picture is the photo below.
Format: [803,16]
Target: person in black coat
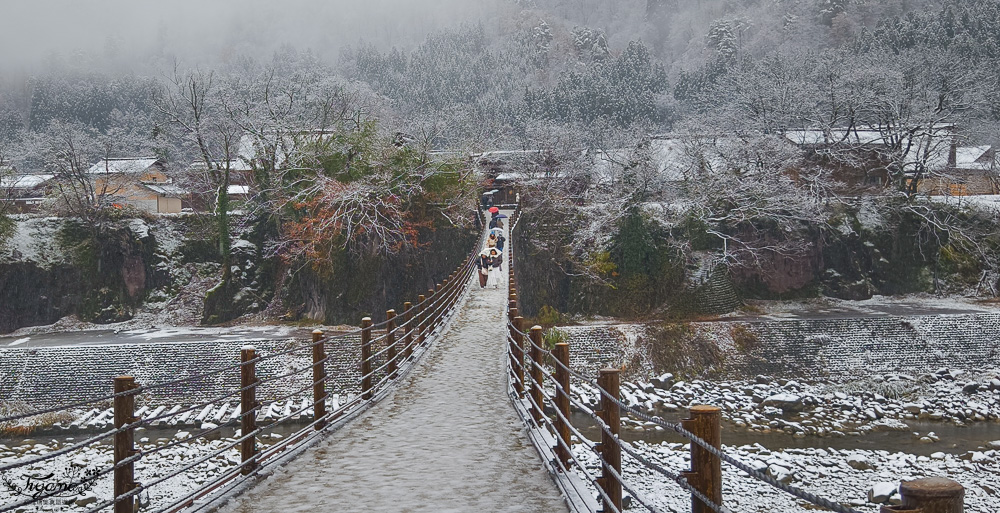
[483,263]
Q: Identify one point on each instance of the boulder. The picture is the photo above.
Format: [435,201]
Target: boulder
[859,463]
[781,474]
[663,381]
[214,435]
[970,388]
[787,402]
[880,493]
[913,408]
[995,384]
[86,499]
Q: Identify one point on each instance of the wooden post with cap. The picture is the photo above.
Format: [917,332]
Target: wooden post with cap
[124,410]
[536,373]
[561,354]
[929,495]
[366,358]
[706,468]
[421,312]
[319,379]
[248,408]
[408,333]
[611,452]
[390,340]
[519,355]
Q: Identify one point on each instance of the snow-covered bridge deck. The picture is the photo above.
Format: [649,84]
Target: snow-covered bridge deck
[446,440]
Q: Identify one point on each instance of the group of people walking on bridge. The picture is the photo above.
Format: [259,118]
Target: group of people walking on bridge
[490,260]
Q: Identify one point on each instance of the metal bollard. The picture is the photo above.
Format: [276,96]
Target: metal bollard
[319,380]
[124,409]
[611,453]
[390,340]
[706,469]
[929,495]
[536,374]
[366,358]
[561,353]
[248,408]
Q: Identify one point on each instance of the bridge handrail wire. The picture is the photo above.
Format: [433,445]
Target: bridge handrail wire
[632,411]
[548,424]
[718,508]
[801,494]
[434,313]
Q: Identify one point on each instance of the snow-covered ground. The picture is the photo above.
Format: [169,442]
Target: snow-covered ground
[843,470]
[863,479]
[161,457]
[770,405]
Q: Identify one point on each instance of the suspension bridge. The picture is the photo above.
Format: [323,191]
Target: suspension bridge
[460,407]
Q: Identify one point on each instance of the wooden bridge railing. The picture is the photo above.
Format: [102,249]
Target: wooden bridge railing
[388,349]
[532,368]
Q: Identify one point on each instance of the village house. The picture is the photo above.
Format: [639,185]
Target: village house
[947,168]
[141,182]
[970,170]
[23,192]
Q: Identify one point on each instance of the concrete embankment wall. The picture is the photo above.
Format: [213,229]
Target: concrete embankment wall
[820,348]
[870,345]
[48,376]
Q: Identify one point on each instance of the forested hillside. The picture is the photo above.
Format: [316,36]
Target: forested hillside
[678,144]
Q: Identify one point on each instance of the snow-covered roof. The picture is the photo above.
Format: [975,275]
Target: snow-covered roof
[870,135]
[676,159]
[234,165]
[239,189]
[250,146]
[972,157]
[123,165]
[169,190]
[23,181]
[528,175]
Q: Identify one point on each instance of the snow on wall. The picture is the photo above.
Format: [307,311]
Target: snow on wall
[49,376]
[826,348]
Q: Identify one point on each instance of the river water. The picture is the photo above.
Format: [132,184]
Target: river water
[953,439]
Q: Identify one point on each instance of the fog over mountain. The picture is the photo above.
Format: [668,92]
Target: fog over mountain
[130,33]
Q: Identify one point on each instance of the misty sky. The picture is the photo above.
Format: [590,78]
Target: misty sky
[127,32]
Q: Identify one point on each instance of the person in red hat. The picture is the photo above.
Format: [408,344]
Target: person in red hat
[495,220]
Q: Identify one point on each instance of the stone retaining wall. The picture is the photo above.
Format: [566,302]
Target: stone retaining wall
[828,348]
[863,346]
[48,376]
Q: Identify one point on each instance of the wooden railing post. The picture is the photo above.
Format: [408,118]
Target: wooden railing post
[706,469]
[536,374]
[611,452]
[408,333]
[319,379]
[439,309]
[519,355]
[561,353]
[248,408]
[512,346]
[429,315]
[929,495]
[390,340]
[421,328]
[124,410]
[366,358]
